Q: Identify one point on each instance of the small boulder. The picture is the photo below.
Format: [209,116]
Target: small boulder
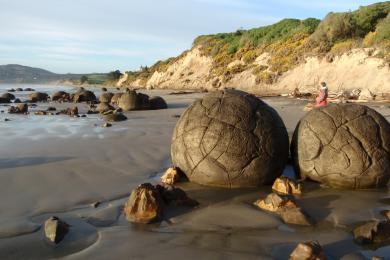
[308,251]
[274,202]
[296,216]
[104,89]
[373,232]
[11,90]
[107,125]
[115,117]
[29,89]
[61,96]
[19,89]
[157,103]
[51,109]
[104,107]
[145,205]
[172,175]
[18,109]
[8,96]
[284,185]
[38,97]
[70,111]
[106,97]
[4,100]
[84,96]
[17,100]
[55,229]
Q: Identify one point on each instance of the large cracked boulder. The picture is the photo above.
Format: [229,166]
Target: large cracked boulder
[344,146]
[230,139]
[132,100]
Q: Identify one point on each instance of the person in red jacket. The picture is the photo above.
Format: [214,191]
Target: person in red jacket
[322,97]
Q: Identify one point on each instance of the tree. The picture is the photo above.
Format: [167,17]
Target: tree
[114,75]
[83,79]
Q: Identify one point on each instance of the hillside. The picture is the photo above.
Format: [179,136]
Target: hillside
[347,50]
[13,73]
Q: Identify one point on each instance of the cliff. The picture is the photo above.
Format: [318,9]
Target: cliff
[347,50]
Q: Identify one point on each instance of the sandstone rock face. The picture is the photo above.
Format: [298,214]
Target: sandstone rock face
[38,97]
[308,251]
[55,229]
[230,139]
[287,186]
[145,205]
[106,97]
[158,103]
[343,145]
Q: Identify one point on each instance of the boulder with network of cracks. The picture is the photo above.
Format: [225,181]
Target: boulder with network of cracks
[230,139]
[343,146]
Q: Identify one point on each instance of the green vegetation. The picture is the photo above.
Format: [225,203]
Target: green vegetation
[288,42]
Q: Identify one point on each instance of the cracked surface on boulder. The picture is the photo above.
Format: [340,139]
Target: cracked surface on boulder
[230,139]
[343,145]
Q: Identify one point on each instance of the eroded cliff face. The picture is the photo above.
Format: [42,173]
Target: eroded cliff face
[359,68]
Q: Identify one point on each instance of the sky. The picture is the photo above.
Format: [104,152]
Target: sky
[85,36]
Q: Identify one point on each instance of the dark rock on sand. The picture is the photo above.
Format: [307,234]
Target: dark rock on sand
[296,216]
[38,97]
[29,89]
[104,107]
[84,96]
[145,205]
[61,96]
[19,89]
[18,109]
[175,196]
[51,109]
[230,139]
[343,145]
[157,103]
[308,251]
[373,232]
[104,89]
[11,90]
[8,96]
[106,125]
[115,117]
[55,229]
[70,111]
[106,97]
[17,100]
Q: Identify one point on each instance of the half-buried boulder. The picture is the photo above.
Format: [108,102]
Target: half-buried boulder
[38,97]
[230,139]
[104,107]
[157,103]
[115,117]
[145,205]
[308,251]
[132,100]
[61,96]
[343,145]
[8,96]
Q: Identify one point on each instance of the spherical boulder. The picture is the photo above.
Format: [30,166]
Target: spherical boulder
[230,139]
[132,100]
[60,96]
[84,96]
[343,146]
[115,98]
[38,97]
[8,96]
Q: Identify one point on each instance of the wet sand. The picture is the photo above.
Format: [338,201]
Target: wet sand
[57,165]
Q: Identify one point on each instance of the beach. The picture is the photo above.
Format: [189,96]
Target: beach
[60,165]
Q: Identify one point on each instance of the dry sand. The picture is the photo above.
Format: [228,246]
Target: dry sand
[56,165]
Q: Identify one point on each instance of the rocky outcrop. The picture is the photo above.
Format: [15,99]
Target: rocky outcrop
[230,139]
[7,96]
[344,145]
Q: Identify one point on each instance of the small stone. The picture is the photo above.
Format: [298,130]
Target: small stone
[107,125]
[7,119]
[373,232]
[144,205]
[386,213]
[295,216]
[176,116]
[172,176]
[40,113]
[95,204]
[284,185]
[274,202]
[51,109]
[55,229]
[115,117]
[308,251]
